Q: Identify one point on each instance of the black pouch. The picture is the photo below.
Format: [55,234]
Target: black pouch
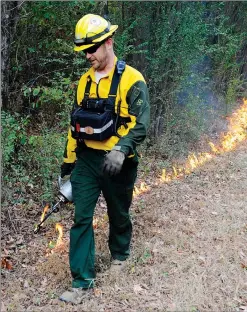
[95,105]
[97,126]
[95,119]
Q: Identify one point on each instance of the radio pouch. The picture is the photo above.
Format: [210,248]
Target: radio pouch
[95,118]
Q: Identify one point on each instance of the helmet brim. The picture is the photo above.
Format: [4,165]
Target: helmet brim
[86,46]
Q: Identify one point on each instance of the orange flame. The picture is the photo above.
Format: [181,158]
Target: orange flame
[237,131]
[59,228]
[139,190]
[236,134]
[44,212]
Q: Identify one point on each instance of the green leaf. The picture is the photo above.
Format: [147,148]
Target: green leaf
[36,91]
[51,244]
[47,15]
[31,50]
[27,91]
[23,140]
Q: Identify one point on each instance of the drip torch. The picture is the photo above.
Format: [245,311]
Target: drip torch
[65,196]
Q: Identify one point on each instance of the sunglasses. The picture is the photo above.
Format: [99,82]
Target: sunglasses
[93,49]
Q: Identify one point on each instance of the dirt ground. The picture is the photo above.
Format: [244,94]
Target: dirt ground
[189,249]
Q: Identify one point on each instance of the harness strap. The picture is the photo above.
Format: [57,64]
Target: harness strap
[119,68]
[88,86]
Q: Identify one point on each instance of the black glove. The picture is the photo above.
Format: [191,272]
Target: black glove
[66,169]
[113,162]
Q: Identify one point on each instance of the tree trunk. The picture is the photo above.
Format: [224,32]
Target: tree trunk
[10,13]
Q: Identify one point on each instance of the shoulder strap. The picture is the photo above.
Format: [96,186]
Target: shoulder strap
[88,86]
[119,69]
[87,90]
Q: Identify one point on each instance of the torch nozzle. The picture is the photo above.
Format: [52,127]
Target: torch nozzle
[54,209]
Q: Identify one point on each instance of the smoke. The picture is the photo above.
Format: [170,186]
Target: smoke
[197,95]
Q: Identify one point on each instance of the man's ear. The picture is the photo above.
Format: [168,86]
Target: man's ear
[109,43]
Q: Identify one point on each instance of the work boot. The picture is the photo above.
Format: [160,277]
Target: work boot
[117,266]
[76,295]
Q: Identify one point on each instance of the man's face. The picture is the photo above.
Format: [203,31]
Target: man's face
[98,59]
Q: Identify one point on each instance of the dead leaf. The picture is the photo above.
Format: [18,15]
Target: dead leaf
[10,240]
[97,292]
[26,285]
[106,218]
[6,264]
[214,213]
[44,282]
[243,265]
[3,309]
[145,286]
[19,242]
[137,289]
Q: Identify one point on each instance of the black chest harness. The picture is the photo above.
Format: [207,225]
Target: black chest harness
[95,118]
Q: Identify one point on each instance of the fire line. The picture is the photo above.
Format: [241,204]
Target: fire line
[237,132]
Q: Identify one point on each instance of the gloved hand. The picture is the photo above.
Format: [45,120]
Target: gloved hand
[66,169]
[113,162]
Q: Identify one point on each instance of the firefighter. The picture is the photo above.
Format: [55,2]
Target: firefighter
[110,118]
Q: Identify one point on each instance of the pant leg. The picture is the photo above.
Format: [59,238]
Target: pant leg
[118,192]
[85,190]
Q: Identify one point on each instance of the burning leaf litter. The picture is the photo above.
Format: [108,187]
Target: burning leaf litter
[59,245]
[237,133]
[44,212]
[139,190]
[59,228]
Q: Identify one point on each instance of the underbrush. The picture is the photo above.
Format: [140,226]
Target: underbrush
[31,159]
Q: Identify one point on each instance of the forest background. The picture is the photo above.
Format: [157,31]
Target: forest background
[193,56]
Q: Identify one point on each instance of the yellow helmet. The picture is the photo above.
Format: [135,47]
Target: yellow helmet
[90,30]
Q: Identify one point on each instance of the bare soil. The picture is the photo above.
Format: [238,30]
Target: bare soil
[189,248]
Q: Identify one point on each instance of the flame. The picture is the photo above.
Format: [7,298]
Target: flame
[237,132]
[59,228]
[44,212]
[142,189]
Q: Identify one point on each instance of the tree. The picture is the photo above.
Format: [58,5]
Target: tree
[10,14]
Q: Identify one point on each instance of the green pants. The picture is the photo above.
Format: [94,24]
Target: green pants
[88,181]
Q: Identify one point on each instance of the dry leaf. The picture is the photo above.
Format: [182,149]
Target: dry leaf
[26,285]
[243,265]
[3,309]
[44,282]
[137,288]
[6,264]
[97,292]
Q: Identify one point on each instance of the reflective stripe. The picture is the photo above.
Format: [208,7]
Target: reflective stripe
[99,130]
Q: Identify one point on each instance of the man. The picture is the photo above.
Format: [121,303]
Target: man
[110,119]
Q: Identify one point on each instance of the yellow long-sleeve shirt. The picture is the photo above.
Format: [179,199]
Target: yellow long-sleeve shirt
[133,94]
